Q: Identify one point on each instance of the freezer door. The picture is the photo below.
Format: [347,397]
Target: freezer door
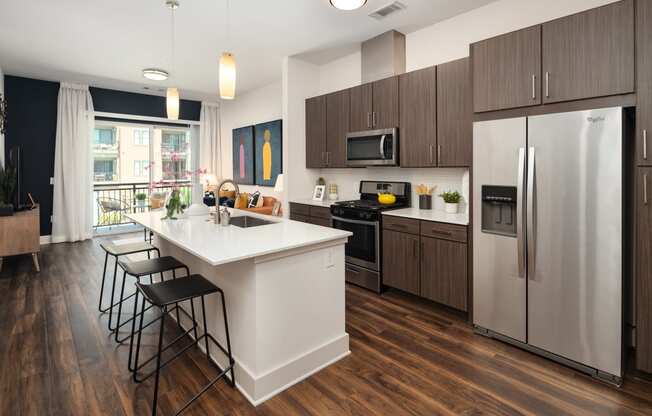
[574,235]
[499,287]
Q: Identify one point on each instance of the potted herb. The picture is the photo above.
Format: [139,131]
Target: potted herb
[7,187]
[140,199]
[451,200]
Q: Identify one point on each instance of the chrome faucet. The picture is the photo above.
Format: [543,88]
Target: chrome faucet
[225,212]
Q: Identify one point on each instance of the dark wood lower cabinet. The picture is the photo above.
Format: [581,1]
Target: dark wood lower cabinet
[444,272]
[644,269]
[401,261]
[310,214]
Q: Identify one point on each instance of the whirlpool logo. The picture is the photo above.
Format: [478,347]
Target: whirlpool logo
[595,119]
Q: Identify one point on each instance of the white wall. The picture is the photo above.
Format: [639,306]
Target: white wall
[253,107]
[2,137]
[435,44]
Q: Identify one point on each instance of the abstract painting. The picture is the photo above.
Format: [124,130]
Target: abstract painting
[243,155]
[268,152]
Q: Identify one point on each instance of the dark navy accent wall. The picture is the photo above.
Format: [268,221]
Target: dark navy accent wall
[32,124]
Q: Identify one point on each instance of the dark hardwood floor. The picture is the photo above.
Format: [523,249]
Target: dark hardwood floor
[408,358]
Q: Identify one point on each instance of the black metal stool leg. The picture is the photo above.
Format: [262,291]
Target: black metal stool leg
[228,337]
[174,276]
[158,362]
[203,313]
[122,296]
[115,276]
[133,332]
[140,332]
[106,259]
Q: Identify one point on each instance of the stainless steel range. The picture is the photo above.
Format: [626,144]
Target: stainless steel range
[363,218]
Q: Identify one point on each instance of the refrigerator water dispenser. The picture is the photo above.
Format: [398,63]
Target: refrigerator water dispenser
[499,210]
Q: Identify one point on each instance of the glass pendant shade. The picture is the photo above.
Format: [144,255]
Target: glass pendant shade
[227,76]
[172,103]
[348,4]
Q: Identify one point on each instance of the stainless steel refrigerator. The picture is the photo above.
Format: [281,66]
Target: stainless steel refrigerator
[547,236]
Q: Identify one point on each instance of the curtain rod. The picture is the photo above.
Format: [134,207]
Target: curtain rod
[146,118]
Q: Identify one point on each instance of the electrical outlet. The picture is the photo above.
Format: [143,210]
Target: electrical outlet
[51,181]
[328,259]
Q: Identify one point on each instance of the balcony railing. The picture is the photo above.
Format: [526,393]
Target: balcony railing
[113,201]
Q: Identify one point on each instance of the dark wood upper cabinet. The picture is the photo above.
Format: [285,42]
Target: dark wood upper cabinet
[507,70]
[316,132]
[385,111]
[401,261]
[361,107]
[454,114]
[444,272]
[337,125]
[643,267]
[589,54]
[418,118]
[643,82]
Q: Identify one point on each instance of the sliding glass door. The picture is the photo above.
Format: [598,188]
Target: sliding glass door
[135,166]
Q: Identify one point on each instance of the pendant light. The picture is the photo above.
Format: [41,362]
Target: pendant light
[172,94]
[227,67]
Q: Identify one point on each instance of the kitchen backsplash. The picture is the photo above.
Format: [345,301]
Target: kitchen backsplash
[348,181]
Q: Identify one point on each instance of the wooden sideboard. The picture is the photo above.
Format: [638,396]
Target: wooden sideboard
[19,234]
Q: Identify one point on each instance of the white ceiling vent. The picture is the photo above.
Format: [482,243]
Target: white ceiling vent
[385,11]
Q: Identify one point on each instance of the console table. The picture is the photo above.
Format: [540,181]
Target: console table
[19,234]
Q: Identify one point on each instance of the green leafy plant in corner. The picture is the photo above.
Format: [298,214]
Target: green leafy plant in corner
[451,197]
[7,186]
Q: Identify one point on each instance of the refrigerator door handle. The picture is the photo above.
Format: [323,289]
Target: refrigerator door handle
[531,214]
[520,240]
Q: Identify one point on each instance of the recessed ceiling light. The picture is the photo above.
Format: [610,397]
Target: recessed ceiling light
[155,74]
[348,4]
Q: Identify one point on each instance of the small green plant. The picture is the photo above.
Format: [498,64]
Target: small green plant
[451,197]
[141,196]
[7,185]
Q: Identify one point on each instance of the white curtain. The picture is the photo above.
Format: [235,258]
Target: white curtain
[72,218]
[210,143]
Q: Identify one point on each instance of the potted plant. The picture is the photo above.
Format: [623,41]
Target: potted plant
[451,200]
[7,187]
[140,199]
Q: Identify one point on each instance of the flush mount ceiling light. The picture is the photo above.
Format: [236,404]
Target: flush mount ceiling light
[348,4]
[155,74]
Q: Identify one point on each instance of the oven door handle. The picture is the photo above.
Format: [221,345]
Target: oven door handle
[382,146]
[373,223]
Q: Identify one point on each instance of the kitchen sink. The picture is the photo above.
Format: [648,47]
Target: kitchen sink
[246,221]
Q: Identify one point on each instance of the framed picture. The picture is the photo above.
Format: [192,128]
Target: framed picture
[320,191]
[268,152]
[243,155]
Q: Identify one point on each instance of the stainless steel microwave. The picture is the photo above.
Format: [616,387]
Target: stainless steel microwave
[372,148]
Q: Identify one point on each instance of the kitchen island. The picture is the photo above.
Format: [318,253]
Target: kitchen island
[284,288]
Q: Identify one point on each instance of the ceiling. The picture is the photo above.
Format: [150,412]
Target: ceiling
[108,43]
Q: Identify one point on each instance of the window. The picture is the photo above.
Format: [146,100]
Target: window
[141,168]
[104,136]
[141,137]
[174,141]
[104,170]
[175,170]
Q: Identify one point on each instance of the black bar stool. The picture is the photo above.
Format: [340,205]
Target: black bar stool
[118,250]
[170,292]
[139,269]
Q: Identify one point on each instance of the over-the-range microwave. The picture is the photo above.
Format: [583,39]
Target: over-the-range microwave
[372,148]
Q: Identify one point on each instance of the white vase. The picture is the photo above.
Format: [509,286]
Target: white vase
[451,208]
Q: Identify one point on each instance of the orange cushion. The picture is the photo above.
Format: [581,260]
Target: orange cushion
[242,201]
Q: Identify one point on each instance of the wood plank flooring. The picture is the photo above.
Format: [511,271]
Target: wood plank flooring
[408,358]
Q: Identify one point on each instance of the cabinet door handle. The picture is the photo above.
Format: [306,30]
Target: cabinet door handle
[644,144]
[403,226]
[328,158]
[438,154]
[430,148]
[547,84]
[447,233]
[369,120]
[373,119]
[645,189]
[534,87]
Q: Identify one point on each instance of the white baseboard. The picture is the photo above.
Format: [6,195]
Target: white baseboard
[46,239]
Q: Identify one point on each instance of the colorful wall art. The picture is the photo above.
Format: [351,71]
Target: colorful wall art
[243,155]
[268,152]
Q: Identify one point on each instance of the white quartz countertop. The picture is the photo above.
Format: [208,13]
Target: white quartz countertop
[326,203]
[429,215]
[218,244]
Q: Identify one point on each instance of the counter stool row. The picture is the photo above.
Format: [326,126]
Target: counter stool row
[165,296]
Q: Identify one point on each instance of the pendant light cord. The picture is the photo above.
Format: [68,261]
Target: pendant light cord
[172,31]
[228,23]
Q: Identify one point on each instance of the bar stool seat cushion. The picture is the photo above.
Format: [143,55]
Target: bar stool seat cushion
[125,249]
[151,266]
[172,291]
